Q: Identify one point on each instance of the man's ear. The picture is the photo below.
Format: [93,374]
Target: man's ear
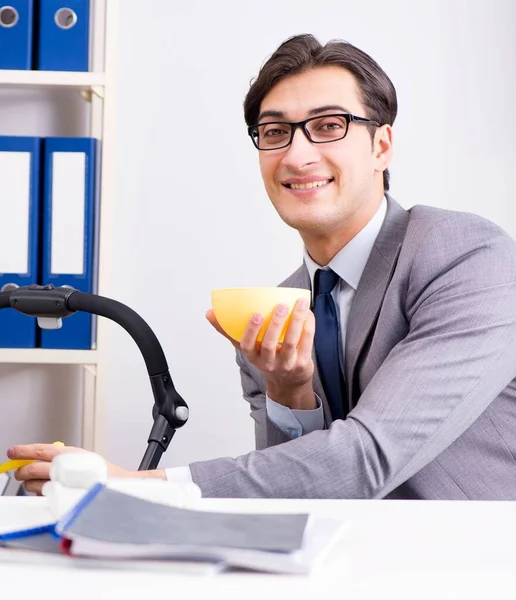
[383,149]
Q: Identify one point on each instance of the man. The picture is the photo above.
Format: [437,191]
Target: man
[411,392]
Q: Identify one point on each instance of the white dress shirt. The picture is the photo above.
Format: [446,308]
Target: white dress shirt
[349,264]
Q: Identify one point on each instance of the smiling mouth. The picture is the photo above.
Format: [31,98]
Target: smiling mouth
[308,186]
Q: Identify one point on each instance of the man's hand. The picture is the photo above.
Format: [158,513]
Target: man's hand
[288,367]
[35,474]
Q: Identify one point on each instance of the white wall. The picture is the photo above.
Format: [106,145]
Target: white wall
[191,212]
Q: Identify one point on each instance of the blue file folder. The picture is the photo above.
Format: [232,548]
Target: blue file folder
[63,35]
[70,218]
[19,214]
[16,25]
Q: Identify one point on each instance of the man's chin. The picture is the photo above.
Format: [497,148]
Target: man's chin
[315,224]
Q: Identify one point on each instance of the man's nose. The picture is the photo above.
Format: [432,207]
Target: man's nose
[301,151]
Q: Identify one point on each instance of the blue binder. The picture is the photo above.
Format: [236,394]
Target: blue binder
[16,24]
[70,218]
[19,212]
[63,35]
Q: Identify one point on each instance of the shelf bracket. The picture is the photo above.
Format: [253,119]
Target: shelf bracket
[89,407]
[94,89]
[91,369]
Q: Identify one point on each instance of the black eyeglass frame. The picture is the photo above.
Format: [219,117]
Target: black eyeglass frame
[302,124]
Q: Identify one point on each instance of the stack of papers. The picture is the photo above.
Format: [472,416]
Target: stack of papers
[109,525]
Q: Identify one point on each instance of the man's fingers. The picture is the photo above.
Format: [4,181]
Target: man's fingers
[248,343]
[291,341]
[34,452]
[269,345]
[35,486]
[36,470]
[45,452]
[306,341]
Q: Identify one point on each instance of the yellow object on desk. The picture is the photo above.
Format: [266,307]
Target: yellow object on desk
[12,465]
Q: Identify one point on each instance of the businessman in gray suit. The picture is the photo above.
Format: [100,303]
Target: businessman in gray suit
[399,380]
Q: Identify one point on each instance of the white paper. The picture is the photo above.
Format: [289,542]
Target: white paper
[14,212]
[68,207]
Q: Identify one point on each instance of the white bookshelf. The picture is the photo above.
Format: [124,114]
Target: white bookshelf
[51,79]
[39,356]
[97,87]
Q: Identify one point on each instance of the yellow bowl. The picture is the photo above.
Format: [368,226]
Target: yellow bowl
[234,307]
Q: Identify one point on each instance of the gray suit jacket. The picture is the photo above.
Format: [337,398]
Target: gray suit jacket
[430,366]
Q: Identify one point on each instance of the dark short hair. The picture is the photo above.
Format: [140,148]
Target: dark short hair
[302,52]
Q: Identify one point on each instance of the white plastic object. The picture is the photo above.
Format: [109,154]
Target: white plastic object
[73,474]
[60,498]
[182,413]
[79,470]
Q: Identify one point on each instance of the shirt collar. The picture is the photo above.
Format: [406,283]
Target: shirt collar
[350,261]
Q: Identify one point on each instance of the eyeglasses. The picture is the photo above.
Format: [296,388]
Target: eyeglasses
[319,130]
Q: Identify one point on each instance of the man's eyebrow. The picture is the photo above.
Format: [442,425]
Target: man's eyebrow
[278,114]
[321,109]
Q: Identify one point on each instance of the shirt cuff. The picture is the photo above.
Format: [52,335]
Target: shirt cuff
[295,422]
[179,474]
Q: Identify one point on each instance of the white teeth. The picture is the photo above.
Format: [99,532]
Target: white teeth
[309,186]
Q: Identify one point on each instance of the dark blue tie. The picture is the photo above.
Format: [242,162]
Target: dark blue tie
[327,341]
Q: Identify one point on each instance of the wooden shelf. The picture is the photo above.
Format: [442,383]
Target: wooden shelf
[43,356]
[51,79]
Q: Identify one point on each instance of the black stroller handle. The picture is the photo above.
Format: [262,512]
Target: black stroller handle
[170,411]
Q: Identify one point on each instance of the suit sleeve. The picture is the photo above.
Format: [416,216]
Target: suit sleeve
[458,355]
[266,433]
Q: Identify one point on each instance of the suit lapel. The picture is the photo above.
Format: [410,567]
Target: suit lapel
[372,287]
[301,279]
[368,296]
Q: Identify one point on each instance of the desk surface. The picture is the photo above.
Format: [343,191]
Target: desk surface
[394,549]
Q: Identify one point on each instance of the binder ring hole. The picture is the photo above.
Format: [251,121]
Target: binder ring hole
[8,16]
[65,18]
[9,287]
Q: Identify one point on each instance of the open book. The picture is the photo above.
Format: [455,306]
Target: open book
[109,525]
